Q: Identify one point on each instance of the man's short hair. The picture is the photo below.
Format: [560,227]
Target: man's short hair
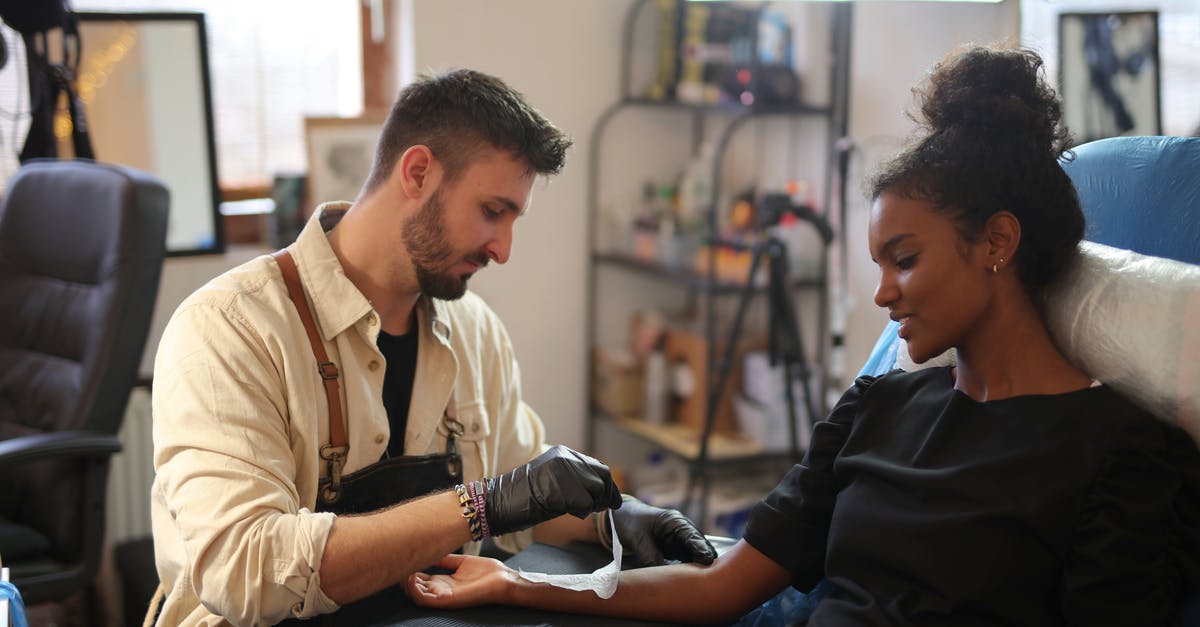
[455,114]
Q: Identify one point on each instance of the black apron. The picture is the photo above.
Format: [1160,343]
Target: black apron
[382,484]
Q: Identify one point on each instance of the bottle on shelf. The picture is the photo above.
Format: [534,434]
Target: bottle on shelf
[695,186]
[644,243]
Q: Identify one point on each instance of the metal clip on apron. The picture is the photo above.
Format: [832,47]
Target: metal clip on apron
[377,486]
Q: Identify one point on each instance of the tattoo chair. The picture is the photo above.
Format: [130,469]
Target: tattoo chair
[1141,197]
[81,247]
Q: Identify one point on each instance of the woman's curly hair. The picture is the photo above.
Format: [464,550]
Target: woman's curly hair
[991,140]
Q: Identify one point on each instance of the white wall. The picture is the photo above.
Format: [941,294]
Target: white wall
[895,44]
[564,57]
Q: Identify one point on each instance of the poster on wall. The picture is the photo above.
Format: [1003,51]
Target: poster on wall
[340,153]
[1109,74]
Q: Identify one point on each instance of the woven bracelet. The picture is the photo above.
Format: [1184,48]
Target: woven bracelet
[469,512]
[475,488]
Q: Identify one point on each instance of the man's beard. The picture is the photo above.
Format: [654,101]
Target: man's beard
[424,236]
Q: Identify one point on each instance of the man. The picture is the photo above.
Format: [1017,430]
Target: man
[260,452]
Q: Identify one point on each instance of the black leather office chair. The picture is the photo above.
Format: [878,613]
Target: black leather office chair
[81,248]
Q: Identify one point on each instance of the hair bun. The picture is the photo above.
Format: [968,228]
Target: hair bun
[995,94]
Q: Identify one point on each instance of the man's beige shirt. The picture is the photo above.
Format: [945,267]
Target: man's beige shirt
[240,413]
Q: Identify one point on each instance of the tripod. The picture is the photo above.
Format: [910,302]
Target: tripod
[785,343]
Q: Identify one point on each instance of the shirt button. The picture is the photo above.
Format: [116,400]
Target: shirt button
[379,438]
[475,428]
[373,365]
[372,320]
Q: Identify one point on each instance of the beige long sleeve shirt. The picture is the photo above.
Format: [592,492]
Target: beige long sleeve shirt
[240,415]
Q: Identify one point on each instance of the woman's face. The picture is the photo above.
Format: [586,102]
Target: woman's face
[932,281]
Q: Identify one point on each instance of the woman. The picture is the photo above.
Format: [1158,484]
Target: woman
[1012,490]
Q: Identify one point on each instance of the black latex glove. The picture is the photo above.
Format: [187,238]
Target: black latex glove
[559,481]
[655,535]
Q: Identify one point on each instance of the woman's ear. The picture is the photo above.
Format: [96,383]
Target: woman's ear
[414,171]
[1002,232]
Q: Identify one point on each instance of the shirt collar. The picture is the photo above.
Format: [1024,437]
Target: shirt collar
[337,302]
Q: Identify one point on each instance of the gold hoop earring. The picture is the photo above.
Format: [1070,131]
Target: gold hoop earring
[995,267]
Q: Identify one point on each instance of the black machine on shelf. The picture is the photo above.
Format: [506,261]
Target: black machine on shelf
[750,73]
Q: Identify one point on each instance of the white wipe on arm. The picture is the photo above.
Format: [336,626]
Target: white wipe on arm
[602,581]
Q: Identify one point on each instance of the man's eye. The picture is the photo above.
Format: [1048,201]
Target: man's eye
[906,263]
[492,214]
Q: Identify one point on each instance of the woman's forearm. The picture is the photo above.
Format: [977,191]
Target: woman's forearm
[734,584]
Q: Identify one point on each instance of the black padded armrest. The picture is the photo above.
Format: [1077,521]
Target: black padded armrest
[58,444]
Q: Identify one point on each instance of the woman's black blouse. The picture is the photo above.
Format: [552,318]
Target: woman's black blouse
[926,507]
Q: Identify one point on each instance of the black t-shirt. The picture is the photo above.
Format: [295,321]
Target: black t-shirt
[926,507]
[400,353]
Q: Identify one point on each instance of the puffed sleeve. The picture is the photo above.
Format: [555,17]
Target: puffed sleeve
[1130,563]
[1185,536]
[791,525]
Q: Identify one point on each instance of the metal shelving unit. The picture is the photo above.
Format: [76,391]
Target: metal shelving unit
[703,450]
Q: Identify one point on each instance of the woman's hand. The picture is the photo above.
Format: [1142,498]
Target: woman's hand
[475,581]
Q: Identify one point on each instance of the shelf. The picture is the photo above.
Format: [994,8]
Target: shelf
[684,441]
[688,277]
[736,109]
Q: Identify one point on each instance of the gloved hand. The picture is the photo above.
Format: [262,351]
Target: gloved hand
[654,534]
[559,481]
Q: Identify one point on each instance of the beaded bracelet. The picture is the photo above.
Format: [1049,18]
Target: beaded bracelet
[469,512]
[475,488]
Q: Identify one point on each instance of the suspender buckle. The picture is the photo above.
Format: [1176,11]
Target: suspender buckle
[328,370]
[335,456]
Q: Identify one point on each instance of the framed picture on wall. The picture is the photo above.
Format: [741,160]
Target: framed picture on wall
[144,82]
[340,151]
[1109,74]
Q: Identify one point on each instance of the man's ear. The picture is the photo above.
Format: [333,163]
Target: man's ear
[416,171]
[1002,232]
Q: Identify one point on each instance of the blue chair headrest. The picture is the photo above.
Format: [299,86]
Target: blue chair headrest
[1141,194]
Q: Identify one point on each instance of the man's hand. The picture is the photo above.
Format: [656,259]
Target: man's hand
[559,481]
[655,534]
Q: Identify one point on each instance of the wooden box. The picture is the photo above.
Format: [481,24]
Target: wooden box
[688,406]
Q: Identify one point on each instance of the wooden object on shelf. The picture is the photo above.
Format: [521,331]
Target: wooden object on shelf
[682,346]
[617,385]
[684,440]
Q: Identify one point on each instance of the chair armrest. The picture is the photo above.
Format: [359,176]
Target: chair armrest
[59,444]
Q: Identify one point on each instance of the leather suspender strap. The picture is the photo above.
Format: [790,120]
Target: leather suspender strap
[333,453]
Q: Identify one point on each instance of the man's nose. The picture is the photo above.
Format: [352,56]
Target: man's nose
[500,247]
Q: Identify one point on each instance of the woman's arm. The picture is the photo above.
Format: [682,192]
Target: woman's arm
[733,585]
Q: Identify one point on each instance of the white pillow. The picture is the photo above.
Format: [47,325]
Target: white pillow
[1131,321]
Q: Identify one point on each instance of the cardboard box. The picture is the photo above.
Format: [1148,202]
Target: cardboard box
[617,384]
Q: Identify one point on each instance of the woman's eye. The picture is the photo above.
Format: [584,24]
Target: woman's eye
[906,263]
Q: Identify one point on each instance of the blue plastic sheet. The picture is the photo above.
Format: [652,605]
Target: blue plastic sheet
[16,607]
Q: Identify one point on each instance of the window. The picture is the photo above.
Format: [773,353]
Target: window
[271,63]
